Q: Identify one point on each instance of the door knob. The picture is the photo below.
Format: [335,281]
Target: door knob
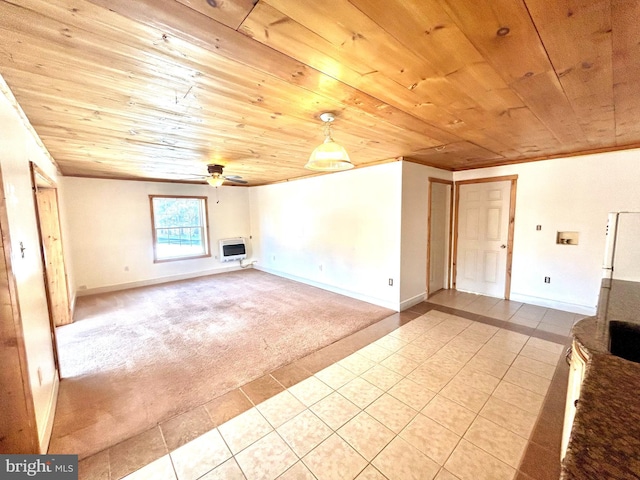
[503,246]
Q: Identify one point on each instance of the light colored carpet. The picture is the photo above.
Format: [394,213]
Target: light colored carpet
[137,357]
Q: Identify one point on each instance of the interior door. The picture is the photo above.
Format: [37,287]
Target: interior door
[483,237]
[439,236]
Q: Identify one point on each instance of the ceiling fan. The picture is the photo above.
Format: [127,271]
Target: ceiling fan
[216,178]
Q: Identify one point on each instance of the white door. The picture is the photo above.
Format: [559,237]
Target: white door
[483,231]
[438,236]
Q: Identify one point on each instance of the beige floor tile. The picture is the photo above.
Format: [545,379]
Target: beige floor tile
[534,366]
[334,459]
[466,344]
[480,381]
[360,392]
[497,354]
[371,473]
[520,397]
[552,328]
[194,459]
[415,353]
[446,475]
[160,469]
[476,336]
[366,435]
[432,379]
[541,355]
[512,337]
[335,410]
[411,393]
[267,458]
[430,438]
[482,328]
[280,408]
[335,376]
[469,462]
[399,364]
[496,440]
[527,380]
[449,414]
[390,343]
[375,353]
[391,412]
[405,333]
[546,345]
[509,416]
[502,343]
[310,391]
[304,432]
[429,344]
[441,362]
[402,461]
[533,312]
[299,471]
[488,365]
[243,430]
[464,395]
[526,322]
[229,470]
[381,377]
[357,363]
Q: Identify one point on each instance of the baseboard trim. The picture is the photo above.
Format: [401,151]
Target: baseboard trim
[331,288]
[45,438]
[157,281]
[548,303]
[413,301]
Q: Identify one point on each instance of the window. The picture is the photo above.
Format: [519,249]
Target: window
[180,227]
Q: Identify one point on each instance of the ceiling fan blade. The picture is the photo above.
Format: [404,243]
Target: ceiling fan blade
[235,180]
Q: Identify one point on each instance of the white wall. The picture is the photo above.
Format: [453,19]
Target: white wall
[570,194]
[18,146]
[627,253]
[415,213]
[108,232]
[339,231]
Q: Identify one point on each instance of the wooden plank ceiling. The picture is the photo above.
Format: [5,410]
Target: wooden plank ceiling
[158,89]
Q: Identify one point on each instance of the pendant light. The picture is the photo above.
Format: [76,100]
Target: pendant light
[328,156]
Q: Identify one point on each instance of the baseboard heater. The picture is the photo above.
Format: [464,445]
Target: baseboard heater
[232,249]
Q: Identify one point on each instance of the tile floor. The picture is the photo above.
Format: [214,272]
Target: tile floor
[539,318]
[438,395]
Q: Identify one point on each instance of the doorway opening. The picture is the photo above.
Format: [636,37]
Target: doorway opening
[439,224]
[55,275]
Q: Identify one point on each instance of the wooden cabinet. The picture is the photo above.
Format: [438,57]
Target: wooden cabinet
[577,369]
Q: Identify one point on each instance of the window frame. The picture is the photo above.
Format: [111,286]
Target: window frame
[205,228]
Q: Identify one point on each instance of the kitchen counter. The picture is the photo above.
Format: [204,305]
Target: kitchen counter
[605,437]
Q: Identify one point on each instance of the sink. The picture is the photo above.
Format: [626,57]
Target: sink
[624,340]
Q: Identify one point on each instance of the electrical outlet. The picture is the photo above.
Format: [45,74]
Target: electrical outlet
[538,227]
[391,282]
[547,279]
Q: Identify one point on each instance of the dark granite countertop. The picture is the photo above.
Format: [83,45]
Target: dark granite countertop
[605,438]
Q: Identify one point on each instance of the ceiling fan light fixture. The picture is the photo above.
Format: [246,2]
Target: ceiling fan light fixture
[328,156]
[215,180]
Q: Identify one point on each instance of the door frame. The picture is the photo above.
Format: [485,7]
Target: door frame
[512,218]
[37,173]
[433,180]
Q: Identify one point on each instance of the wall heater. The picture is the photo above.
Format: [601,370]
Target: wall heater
[232,249]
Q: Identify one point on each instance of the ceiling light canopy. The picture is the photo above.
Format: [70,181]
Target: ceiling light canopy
[329,156]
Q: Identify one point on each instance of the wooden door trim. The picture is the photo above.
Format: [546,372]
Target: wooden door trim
[511,228]
[433,180]
[37,172]
[20,414]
